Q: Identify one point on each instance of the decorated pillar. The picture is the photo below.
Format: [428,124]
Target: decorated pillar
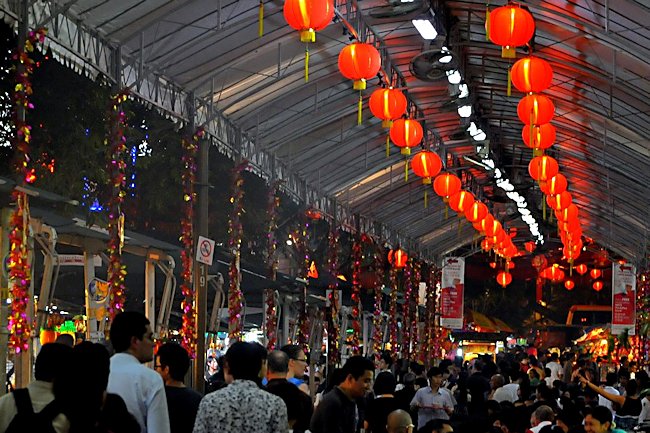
[333,332]
[235,229]
[406,310]
[377,322]
[356,296]
[270,298]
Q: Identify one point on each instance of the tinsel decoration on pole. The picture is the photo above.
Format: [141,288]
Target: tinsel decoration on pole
[117,156]
[235,230]
[303,321]
[355,296]
[643,315]
[428,348]
[188,179]
[392,310]
[19,269]
[333,334]
[406,310]
[301,241]
[416,274]
[271,316]
[271,319]
[377,322]
[434,343]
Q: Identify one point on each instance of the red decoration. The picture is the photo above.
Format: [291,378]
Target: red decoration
[392,310]
[569,284]
[377,328]
[568,213]
[308,16]
[446,185]
[271,325]
[555,185]
[553,273]
[542,168]
[541,137]
[581,269]
[595,273]
[535,109]
[510,26]
[559,201]
[397,258]
[493,228]
[461,201]
[597,285]
[406,133]
[504,278]
[530,246]
[388,105]
[426,164]
[355,296]
[406,310]
[333,334]
[235,230]
[531,74]
[359,62]
[476,212]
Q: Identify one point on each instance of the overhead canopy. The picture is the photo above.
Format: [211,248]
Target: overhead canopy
[203,60]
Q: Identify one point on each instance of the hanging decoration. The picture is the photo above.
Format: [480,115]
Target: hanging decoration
[531,74]
[377,322]
[333,334]
[235,230]
[355,296]
[426,164]
[271,325]
[406,133]
[188,178]
[535,109]
[597,285]
[118,152]
[581,269]
[569,284]
[387,104]
[504,278]
[308,16]
[595,273]
[542,168]
[543,136]
[359,62]
[392,310]
[416,337]
[398,258]
[555,185]
[510,26]
[406,310]
[303,321]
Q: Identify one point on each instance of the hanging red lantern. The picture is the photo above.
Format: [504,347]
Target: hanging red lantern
[595,273]
[597,285]
[535,110]
[581,269]
[542,168]
[571,254]
[510,26]
[476,212]
[553,273]
[504,278]
[485,222]
[559,201]
[540,137]
[387,104]
[426,164]
[531,74]
[487,244]
[397,258]
[568,226]
[446,185]
[493,265]
[530,246]
[461,201]
[493,228]
[568,213]
[406,133]
[359,62]
[555,185]
[511,265]
[569,284]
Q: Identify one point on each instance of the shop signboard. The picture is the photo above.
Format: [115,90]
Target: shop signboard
[452,292]
[623,298]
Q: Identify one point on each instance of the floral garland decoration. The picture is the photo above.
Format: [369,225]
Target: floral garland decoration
[235,229]
[415,334]
[426,353]
[333,334]
[301,240]
[117,154]
[643,314]
[377,329]
[188,179]
[392,310]
[20,276]
[271,324]
[406,310]
[356,296]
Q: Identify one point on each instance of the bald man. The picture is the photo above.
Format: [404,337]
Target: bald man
[399,421]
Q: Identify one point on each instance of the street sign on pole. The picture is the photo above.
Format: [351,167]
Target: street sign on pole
[205,251]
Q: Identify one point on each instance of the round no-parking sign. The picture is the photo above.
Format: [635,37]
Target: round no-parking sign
[205,250]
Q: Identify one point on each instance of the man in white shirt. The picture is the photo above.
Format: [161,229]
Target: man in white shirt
[541,417]
[610,381]
[501,391]
[557,372]
[141,388]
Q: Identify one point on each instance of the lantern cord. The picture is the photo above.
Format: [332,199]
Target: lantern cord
[543,208]
[426,198]
[360,109]
[306,63]
[487,21]
[387,146]
[446,211]
[261,19]
[406,170]
[550,216]
[509,91]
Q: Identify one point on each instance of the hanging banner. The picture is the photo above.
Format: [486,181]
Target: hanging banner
[623,298]
[452,293]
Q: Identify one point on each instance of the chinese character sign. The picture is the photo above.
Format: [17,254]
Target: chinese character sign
[452,293]
[623,298]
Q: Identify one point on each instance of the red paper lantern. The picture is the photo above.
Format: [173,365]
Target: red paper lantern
[542,168]
[568,226]
[493,265]
[359,62]
[485,222]
[543,136]
[581,269]
[571,254]
[553,273]
[530,246]
[559,201]
[446,185]
[461,201]
[406,133]
[504,278]
[531,74]
[476,212]
[535,109]
[426,164]
[595,273]
[307,16]
[510,26]
[493,228]
[487,244]
[387,104]
[397,258]
[597,285]
[555,185]
[569,284]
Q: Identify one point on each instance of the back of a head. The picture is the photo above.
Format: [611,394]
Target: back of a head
[554,356]
[409,379]
[417,368]
[398,421]
[611,378]
[175,357]
[498,380]
[602,414]
[125,326]
[357,366]
[334,378]
[385,383]
[421,382]
[544,413]
[387,358]
[65,339]
[631,387]
[293,350]
[478,365]
[434,426]
[244,361]
[278,362]
[52,361]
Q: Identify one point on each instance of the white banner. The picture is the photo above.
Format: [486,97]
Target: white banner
[623,298]
[452,293]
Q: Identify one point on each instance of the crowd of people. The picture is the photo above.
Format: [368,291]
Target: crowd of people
[83,389]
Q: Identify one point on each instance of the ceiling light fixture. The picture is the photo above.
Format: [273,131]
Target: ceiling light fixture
[465,111]
[425,28]
[453,76]
[445,59]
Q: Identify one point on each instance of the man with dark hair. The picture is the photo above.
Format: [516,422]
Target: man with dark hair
[297,365]
[437,426]
[141,388]
[182,402]
[50,364]
[385,362]
[242,407]
[432,402]
[337,412]
[610,381]
[299,406]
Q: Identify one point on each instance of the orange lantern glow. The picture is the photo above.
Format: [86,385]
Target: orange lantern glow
[531,74]
[581,269]
[553,273]
[487,244]
[569,226]
[359,62]
[559,201]
[493,265]
[406,133]
[535,110]
[504,278]
[542,168]
[511,265]
[543,136]
[485,222]
[510,26]
[446,185]
[493,228]
[426,164]
[387,104]
[569,284]
[595,273]
[571,254]
[397,258]
[530,246]
[555,185]
[476,212]
[461,201]
[597,285]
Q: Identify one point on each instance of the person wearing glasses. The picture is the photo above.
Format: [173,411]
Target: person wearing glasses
[297,366]
[399,421]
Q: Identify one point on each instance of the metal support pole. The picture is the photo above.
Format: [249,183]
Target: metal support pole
[89,275]
[150,293]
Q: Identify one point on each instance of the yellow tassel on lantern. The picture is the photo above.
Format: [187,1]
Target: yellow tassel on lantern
[487,22]
[261,19]
[426,198]
[508,53]
[544,208]
[387,146]
[360,110]
[509,92]
[571,267]
[406,170]
[306,63]
[359,84]
[446,211]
